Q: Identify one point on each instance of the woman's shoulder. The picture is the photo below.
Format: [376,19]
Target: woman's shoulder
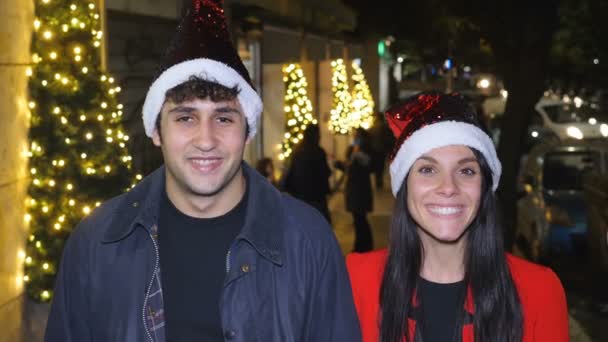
[535,283]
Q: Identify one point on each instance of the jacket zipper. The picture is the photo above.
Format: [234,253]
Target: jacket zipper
[150,287]
[228,261]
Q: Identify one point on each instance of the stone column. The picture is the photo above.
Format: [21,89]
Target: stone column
[15,34]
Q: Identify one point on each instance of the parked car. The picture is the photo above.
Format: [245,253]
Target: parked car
[571,120]
[552,216]
[595,187]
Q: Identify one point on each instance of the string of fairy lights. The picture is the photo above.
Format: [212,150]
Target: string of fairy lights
[77,155]
[339,122]
[297,108]
[362,103]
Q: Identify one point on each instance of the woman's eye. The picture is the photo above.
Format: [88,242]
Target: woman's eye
[468,171]
[426,170]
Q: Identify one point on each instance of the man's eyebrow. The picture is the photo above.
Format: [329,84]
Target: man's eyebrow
[227,109]
[182,109]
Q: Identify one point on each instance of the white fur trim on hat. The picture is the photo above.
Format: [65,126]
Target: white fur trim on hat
[207,69]
[442,134]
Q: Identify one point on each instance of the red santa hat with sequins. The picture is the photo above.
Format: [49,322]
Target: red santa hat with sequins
[202,47]
[431,120]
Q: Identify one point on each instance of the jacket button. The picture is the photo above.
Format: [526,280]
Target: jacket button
[245,268]
[229,334]
[135,204]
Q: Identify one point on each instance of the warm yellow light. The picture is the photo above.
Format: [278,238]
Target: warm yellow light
[61,162]
[26,278]
[45,266]
[38,244]
[138,177]
[32,104]
[46,1]
[71,202]
[86,210]
[65,28]
[96,44]
[64,121]
[52,183]
[104,105]
[53,55]
[109,139]
[61,218]
[78,58]
[91,6]
[28,260]
[100,117]
[77,50]
[47,35]
[89,136]
[83,155]
[64,80]
[45,294]
[28,72]
[56,110]
[45,209]
[36,24]
[69,187]
[82,25]
[111,79]
[73,7]
[57,226]
[85,70]
[33,171]
[83,117]
[108,168]
[27,218]
[44,83]
[21,254]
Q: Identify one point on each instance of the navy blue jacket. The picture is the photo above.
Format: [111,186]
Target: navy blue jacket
[285,276]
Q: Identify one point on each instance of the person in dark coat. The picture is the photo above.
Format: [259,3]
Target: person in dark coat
[307,177]
[358,191]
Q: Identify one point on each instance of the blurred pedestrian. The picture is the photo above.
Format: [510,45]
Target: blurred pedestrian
[266,168]
[307,175]
[445,275]
[382,142]
[358,190]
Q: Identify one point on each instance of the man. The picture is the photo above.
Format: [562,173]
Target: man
[203,249]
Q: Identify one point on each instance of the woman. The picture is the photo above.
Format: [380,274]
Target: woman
[445,276]
[358,190]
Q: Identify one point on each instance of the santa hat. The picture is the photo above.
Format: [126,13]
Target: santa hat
[202,47]
[431,120]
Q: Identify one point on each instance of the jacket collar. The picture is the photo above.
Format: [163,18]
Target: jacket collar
[264,218]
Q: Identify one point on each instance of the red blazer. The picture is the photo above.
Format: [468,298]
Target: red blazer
[540,292]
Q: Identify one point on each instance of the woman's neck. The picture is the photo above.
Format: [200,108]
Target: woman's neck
[442,262]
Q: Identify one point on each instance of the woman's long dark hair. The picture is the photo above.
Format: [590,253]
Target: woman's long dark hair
[498,315]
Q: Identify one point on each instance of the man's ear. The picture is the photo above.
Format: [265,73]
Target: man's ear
[156,137]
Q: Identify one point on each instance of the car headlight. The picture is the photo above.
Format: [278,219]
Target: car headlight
[574,132]
[604,129]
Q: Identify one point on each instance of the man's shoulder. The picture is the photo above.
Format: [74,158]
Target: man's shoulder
[300,214]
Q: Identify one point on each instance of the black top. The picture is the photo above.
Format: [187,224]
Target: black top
[193,266]
[441,306]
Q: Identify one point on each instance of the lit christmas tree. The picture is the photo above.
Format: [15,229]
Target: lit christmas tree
[339,121]
[78,157]
[362,103]
[298,109]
